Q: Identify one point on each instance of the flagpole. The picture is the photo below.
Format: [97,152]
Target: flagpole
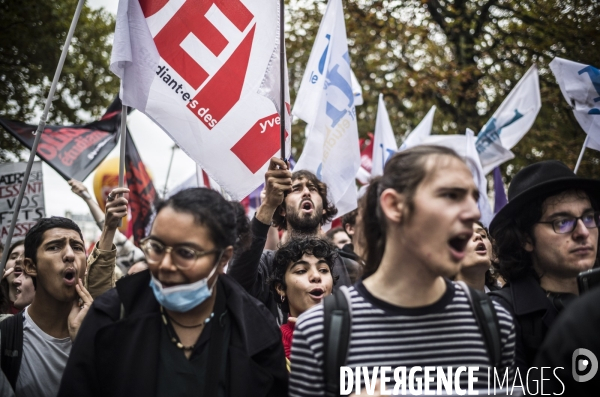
[123,145]
[169,170]
[282,76]
[39,132]
[585,143]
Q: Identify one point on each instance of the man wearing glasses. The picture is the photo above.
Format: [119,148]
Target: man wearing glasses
[546,235]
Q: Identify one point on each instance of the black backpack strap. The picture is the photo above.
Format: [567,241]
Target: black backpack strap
[11,347]
[337,324]
[487,320]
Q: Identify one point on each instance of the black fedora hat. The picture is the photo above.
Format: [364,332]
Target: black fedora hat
[543,179]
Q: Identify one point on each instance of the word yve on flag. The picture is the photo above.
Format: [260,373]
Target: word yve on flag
[207,72]
[580,85]
[32,207]
[384,145]
[326,102]
[510,122]
[73,151]
[142,194]
[421,132]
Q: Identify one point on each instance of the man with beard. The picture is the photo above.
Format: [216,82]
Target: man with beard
[297,203]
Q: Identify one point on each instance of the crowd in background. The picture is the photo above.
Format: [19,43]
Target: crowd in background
[212,303]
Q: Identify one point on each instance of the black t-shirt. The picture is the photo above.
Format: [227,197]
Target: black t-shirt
[178,376]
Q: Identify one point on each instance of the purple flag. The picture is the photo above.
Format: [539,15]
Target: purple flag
[500,200]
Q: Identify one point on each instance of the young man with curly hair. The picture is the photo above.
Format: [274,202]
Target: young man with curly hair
[297,203]
[546,235]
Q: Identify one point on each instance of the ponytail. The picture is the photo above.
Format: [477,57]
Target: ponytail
[373,229]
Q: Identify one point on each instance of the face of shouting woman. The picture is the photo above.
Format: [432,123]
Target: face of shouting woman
[307,282]
[479,250]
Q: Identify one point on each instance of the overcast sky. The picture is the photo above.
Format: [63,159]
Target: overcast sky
[152,143]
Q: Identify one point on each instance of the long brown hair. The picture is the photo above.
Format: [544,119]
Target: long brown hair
[404,172]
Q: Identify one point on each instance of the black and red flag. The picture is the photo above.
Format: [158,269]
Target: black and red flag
[73,151]
[142,192]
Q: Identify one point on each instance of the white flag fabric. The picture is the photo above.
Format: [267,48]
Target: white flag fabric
[510,122]
[357,90]
[207,72]
[580,85]
[385,142]
[594,144]
[474,162]
[326,102]
[421,132]
[464,146]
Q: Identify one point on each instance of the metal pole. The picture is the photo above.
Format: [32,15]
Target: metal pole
[169,170]
[282,109]
[123,146]
[585,143]
[40,131]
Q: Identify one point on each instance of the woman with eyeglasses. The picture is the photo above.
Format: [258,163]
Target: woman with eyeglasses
[182,327]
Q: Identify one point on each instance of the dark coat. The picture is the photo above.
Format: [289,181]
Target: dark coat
[252,269]
[575,329]
[533,313]
[119,357]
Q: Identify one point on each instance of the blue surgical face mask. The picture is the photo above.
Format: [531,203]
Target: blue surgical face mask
[185,297]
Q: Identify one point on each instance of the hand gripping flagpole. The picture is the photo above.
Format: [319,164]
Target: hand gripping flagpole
[39,132]
[282,109]
[585,143]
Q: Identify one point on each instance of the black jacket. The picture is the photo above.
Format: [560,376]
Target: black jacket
[533,313]
[119,357]
[252,269]
[574,330]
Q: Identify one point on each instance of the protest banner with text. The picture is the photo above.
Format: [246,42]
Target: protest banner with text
[32,207]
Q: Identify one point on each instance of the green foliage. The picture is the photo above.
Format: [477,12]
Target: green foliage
[32,34]
[464,56]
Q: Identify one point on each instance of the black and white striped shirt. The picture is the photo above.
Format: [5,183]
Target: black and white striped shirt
[442,334]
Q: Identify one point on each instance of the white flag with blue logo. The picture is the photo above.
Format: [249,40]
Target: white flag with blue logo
[384,145]
[421,132]
[326,101]
[510,122]
[580,85]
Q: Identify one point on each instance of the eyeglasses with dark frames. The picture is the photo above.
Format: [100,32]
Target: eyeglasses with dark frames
[566,224]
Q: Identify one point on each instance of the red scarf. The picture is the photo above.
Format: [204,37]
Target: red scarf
[287,331]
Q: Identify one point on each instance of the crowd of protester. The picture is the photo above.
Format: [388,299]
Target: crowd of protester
[214,304]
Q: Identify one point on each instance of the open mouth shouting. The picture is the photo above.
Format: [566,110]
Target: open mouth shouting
[480,249]
[70,277]
[458,245]
[307,207]
[317,294]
